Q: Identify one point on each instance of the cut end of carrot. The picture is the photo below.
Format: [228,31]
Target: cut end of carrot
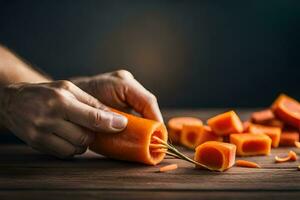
[168,168]
[219,156]
[248,164]
[226,123]
[291,157]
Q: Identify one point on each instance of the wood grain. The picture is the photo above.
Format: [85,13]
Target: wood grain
[29,174]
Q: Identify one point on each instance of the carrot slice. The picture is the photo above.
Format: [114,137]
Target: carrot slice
[225,123]
[175,125]
[216,155]
[168,168]
[297,144]
[288,138]
[208,135]
[190,135]
[132,144]
[262,116]
[292,156]
[273,132]
[287,109]
[249,144]
[248,164]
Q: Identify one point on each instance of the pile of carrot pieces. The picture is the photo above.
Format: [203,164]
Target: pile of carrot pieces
[225,136]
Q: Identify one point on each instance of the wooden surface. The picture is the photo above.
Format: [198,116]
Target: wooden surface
[27,174]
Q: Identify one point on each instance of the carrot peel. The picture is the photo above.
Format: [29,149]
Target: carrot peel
[168,168]
[292,156]
[248,164]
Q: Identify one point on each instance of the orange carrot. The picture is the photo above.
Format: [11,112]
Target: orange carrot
[289,137]
[190,135]
[287,109]
[292,156]
[248,164]
[175,127]
[273,132]
[132,144]
[225,123]
[246,125]
[168,168]
[274,122]
[216,155]
[208,135]
[297,144]
[262,116]
[249,144]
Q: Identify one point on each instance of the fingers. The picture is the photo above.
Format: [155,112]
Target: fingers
[74,134]
[51,144]
[142,100]
[94,119]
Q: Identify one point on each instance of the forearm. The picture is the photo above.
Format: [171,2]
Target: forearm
[14,70]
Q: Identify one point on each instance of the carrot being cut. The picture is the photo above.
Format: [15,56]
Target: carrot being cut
[132,144]
[168,168]
[249,144]
[175,127]
[216,155]
[287,109]
[190,135]
[288,138]
[225,123]
[262,116]
[248,164]
[273,132]
[291,157]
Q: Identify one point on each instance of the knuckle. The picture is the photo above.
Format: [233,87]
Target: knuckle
[152,100]
[95,118]
[123,74]
[64,84]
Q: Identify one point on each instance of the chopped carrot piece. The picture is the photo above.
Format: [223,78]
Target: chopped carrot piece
[246,125]
[249,144]
[133,143]
[262,116]
[208,135]
[297,144]
[216,155]
[275,123]
[273,132]
[225,123]
[175,126]
[287,109]
[168,168]
[245,163]
[292,156]
[289,137]
[190,135]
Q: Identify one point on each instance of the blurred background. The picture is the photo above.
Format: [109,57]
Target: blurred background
[191,54]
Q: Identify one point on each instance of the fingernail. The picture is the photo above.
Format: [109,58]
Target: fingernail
[119,122]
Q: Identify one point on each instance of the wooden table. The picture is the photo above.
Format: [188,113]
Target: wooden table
[27,174]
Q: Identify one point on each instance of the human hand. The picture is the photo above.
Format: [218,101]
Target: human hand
[120,90]
[57,118]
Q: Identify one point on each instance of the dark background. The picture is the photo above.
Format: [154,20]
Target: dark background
[188,53]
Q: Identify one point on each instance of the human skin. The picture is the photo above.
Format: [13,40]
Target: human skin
[61,118]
